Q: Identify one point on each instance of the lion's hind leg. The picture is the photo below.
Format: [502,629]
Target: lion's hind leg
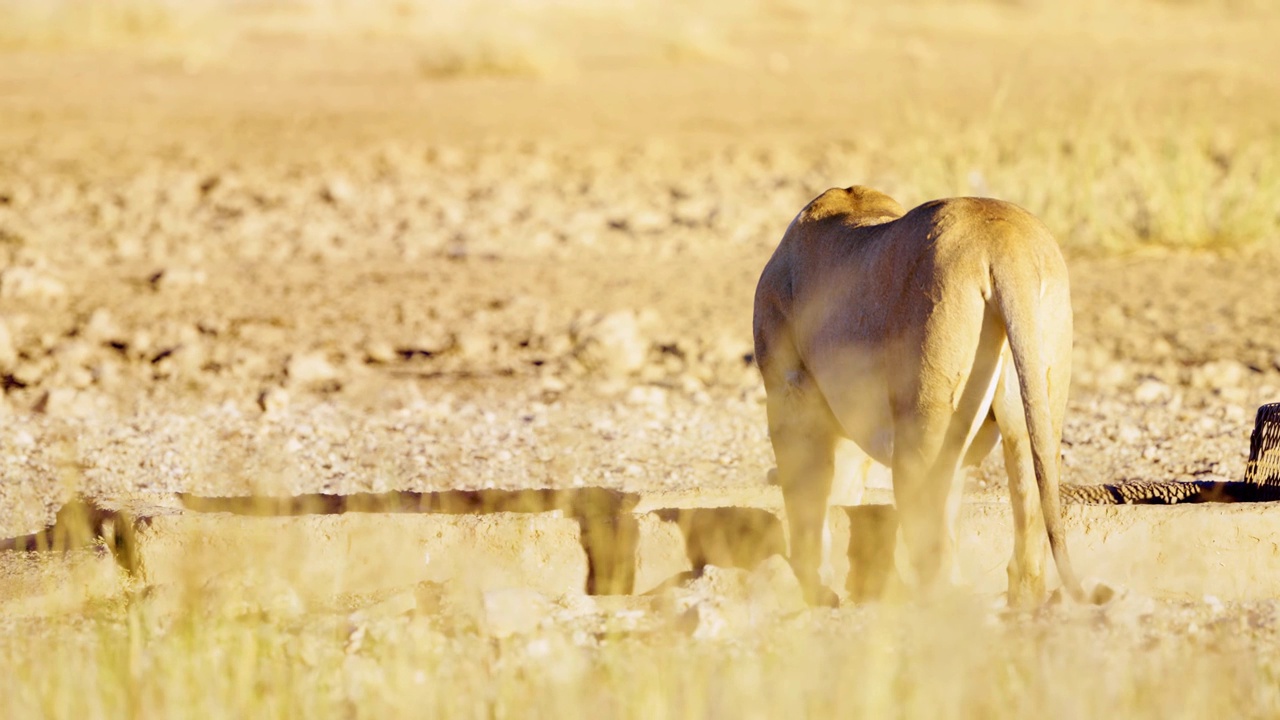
[924,471]
[1027,566]
[804,436]
[940,407]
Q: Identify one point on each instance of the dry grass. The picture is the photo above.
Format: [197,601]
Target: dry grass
[119,24]
[1110,188]
[941,662]
[492,51]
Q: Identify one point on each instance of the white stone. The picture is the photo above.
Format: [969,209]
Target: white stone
[512,611]
[1219,375]
[380,351]
[28,282]
[311,368]
[774,587]
[1151,391]
[273,400]
[647,396]
[612,346]
[8,353]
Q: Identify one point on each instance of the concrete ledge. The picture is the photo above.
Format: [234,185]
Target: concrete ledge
[322,556]
[619,546]
[49,583]
[1230,551]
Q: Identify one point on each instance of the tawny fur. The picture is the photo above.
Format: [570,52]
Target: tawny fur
[923,337]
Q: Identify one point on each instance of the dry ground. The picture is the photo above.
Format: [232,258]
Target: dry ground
[295,251]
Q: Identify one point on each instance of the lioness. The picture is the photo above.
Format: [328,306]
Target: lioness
[923,338]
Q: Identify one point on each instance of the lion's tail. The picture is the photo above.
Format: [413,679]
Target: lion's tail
[1021,326]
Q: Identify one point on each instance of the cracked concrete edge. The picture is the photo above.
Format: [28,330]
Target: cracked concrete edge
[1231,551]
[46,584]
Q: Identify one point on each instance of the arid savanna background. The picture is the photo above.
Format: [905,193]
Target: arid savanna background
[327,248]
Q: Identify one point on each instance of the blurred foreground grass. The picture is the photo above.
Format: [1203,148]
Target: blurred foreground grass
[878,661]
[105,645]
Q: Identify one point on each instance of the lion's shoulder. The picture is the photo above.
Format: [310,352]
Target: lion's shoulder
[976,210]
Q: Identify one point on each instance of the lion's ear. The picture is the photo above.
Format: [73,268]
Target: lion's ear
[834,201]
[861,205]
[873,205]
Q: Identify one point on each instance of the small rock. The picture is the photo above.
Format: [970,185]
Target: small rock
[729,350]
[1161,348]
[170,278]
[428,597]
[774,587]
[379,351]
[233,597]
[433,342]
[311,369]
[474,345]
[709,620]
[30,373]
[273,400]
[612,345]
[642,222]
[184,360]
[140,343]
[1123,607]
[552,384]
[1128,434]
[575,607]
[398,604]
[101,327]
[512,611]
[1114,318]
[1151,391]
[719,598]
[557,344]
[62,402]
[29,282]
[79,378]
[1219,375]
[730,601]
[338,190]
[1111,375]
[212,326]
[694,211]
[8,353]
[647,396]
